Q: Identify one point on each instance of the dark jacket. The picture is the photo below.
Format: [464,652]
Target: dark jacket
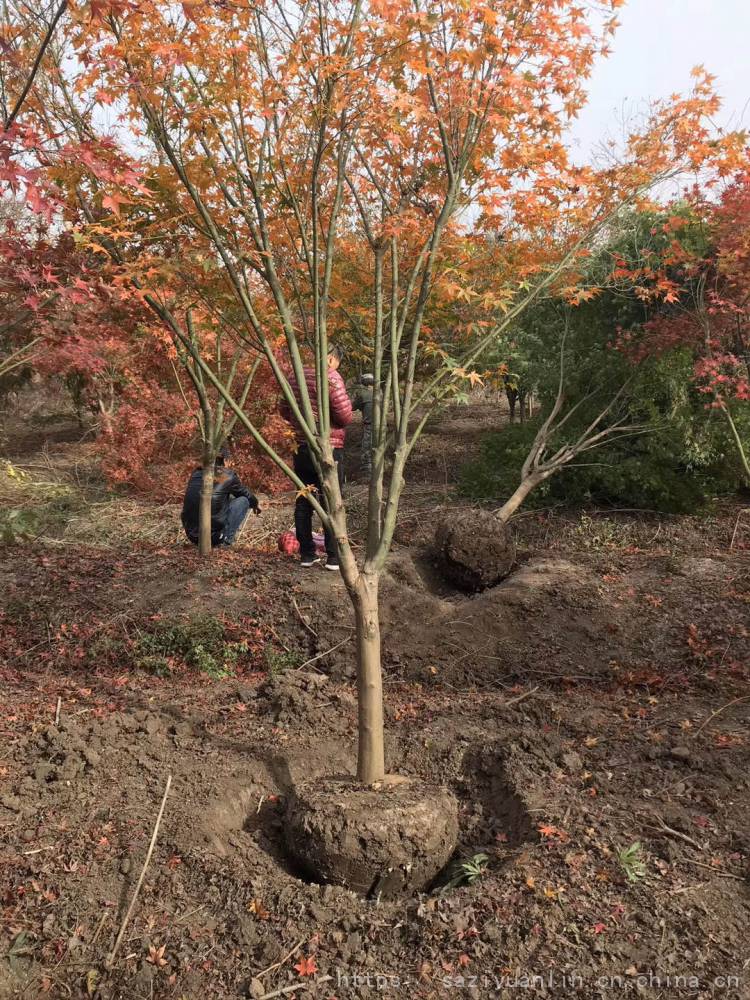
[363,402]
[340,406]
[227,485]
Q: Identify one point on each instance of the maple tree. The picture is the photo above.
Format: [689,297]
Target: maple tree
[637,291]
[66,316]
[285,134]
[13,39]
[70,307]
[66,319]
[698,283]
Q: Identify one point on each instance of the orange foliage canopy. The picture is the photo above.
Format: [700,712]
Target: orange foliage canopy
[385,171]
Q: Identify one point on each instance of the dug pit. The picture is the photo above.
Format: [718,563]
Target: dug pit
[389,841]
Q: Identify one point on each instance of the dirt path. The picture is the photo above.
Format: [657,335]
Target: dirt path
[594,701]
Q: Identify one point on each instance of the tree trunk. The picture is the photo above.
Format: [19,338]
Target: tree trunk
[513,502]
[107,426]
[106,412]
[745,462]
[204,516]
[362,587]
[522,407]
[511,396]
[371,757]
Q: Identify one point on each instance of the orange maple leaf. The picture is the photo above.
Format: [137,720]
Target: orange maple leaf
[306,491]
[113,202]
[256,906]
[547,830]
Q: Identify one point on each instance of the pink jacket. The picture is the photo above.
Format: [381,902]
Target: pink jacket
[340,406]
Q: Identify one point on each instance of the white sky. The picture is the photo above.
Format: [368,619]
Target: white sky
[656,46]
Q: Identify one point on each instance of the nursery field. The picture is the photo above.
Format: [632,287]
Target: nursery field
[589,713]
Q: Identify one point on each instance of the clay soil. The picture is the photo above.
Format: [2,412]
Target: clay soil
[595,700]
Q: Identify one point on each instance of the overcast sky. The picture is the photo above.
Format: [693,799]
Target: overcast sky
[656,46]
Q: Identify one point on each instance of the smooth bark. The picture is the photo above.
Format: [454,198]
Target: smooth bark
[371,756]
[519,495]
[204,516]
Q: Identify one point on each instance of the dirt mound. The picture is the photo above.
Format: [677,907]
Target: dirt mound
[294,696]
[475,550]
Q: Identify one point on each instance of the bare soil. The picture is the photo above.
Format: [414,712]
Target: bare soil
[594,700]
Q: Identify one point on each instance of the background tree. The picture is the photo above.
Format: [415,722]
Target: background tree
[699,283]
[677,459]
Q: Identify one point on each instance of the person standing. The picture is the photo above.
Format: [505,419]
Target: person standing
[340,410]
[363,401]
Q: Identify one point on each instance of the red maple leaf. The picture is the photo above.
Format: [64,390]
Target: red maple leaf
[306,966]
[113,202]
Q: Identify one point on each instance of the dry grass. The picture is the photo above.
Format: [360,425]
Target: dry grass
[63,501]
[123,521]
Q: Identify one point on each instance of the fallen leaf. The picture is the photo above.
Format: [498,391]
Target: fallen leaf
[552,832]
[156,956]
[256,906]
[306,966]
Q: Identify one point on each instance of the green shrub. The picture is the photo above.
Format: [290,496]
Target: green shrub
[200,643]
[675,466]
[18,524]
[648,472]
[278,661]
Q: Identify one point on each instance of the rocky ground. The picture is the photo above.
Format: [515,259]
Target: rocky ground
[590,714]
